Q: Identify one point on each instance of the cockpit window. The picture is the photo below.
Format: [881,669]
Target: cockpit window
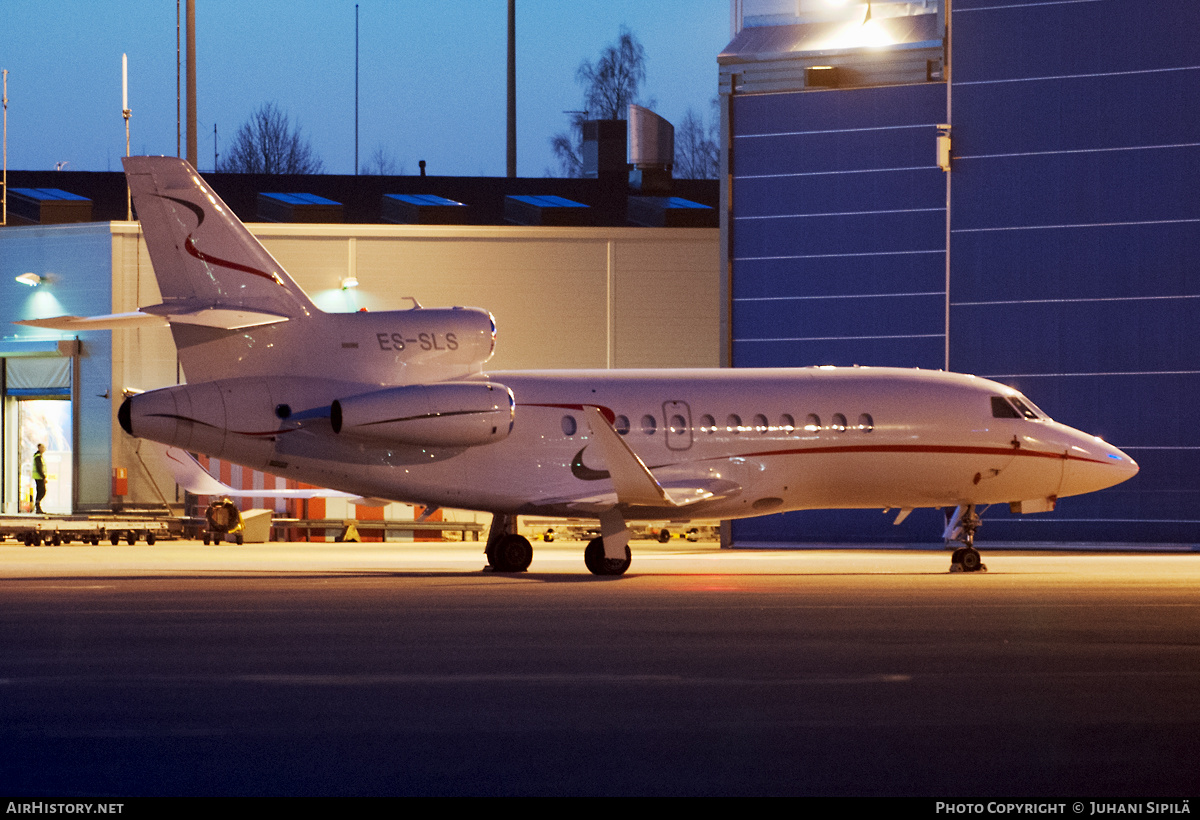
[1038,413]
[1014,408]
[1001,409]
[1025,409]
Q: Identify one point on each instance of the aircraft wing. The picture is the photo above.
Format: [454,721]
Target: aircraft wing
[680,494]
[633,483]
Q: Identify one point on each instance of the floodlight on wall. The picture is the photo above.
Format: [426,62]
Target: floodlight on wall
[31,279]
[349,282]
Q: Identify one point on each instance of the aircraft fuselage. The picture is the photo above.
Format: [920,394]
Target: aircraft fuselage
[741,442]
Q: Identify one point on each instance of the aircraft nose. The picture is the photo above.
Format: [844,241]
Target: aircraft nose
[1094,464]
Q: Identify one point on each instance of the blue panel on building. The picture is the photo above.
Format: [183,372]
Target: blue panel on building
[1074,229]
[839,193]
[1015,39]
[1074,223]
[928,349]
[836,276]
[838,204]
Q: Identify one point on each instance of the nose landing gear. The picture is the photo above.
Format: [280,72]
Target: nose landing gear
[960,529]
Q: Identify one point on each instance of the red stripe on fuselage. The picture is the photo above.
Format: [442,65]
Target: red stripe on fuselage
[607,412]
[919,448]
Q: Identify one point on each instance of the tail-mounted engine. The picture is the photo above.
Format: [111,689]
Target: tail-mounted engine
[459,414]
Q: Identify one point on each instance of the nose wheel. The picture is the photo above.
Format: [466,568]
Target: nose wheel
[967,559]
[960,529]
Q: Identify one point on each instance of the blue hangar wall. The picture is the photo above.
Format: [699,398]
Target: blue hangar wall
[1074,232]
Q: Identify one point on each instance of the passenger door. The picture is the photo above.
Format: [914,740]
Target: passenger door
[677,418]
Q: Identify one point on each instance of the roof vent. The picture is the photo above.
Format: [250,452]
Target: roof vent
[651,139]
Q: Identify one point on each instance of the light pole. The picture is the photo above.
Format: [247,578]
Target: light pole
[126,113]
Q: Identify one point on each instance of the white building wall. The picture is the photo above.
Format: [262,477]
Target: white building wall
[562,298]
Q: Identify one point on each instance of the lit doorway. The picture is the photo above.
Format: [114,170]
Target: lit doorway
[45,421]
[38,409]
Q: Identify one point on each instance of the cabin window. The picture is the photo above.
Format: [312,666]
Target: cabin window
[678,425]
[649,425]
[787,424]
[866,423]
[569,426]
[760,424]
[812,424]
[622,424]
[734,423]
[839,422]
[708,424]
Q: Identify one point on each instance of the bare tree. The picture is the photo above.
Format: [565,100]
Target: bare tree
[267,144]
[382,163]
[568,148]
[609,86]
[697,147]
[612,83]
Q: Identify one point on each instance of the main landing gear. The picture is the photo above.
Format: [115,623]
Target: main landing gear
[960,529]
[598,564]
[507,550]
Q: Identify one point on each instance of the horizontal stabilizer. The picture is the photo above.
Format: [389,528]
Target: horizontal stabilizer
[225,319]
[159,316]
[113,321]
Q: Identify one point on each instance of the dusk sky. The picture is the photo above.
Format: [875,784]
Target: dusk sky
[431,85]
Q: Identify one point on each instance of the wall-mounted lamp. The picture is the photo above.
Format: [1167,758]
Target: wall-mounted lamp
[943,147]
[31,279]
[349,282]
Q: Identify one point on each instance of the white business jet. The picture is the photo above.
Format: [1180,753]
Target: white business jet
[397,405]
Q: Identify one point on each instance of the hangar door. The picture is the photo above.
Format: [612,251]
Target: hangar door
[38,410]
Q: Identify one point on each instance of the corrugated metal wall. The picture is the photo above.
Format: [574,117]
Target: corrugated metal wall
[839,228]
[1074,223]
[1075,226]
[838,252]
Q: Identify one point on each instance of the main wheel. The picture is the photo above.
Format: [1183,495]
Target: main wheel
[664,535]
[512,553]
[597,564]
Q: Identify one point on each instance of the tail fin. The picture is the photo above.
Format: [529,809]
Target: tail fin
[205,260]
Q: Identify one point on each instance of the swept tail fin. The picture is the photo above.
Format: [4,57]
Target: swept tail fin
[203,256]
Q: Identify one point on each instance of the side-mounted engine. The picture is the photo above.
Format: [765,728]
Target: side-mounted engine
[465,414]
